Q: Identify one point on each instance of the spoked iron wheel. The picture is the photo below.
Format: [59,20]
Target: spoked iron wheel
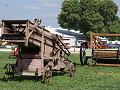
[83,48]
[72,70]
[8,72]
[47,74]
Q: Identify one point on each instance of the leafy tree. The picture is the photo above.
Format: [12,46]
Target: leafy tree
[114,28]
[91,21]
[108,10]
[97,16]
[69,17]
[92,5]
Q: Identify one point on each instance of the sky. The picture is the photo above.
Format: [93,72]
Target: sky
[47,10]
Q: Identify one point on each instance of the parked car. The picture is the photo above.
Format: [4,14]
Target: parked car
[117,45]
[113,46]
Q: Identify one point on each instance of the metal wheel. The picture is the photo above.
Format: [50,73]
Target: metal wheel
[72,70]
[8,72]
[83,48]
[47,74]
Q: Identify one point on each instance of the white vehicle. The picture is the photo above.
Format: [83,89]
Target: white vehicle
[79,42]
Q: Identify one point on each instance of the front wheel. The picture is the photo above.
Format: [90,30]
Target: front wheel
[47,74]
[72,69]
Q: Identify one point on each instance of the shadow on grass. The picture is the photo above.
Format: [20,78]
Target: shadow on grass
[21,78]
[29,78]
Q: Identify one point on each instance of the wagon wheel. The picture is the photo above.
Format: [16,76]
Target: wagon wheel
[8,72]
[83,48]
[47,74]
[72,70]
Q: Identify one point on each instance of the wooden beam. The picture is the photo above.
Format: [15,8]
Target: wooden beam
[96,44]
[39,30]
[34,42]
[98,40]
[26,33]
[38,38]
[96,34]
[105,51]
[3,28]
[13,40]
[30,34]
[101,64]
[42,50]
[105,55]
[91,34]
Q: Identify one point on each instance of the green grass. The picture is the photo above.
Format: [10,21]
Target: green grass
[4,48]
[87,78]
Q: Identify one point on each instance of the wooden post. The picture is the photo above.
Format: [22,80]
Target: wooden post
[3,28]
[19,58]
[91,36]
[96,34]
[27,33]
[42,49]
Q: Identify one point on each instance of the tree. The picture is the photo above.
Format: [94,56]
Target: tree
[108,10]
[97,16]
[91,21]
[69,17]
[114,28]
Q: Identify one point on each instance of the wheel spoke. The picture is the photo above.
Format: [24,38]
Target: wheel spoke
[47,74]
[72,70]
[9,67]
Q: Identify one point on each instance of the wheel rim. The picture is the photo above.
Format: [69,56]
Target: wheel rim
[83,48]
[8,73]
[47,74]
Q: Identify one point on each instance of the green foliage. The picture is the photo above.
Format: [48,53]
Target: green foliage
[93,22]
[69,17]
[114,27]
[108,10]
[98,16]
[92,5]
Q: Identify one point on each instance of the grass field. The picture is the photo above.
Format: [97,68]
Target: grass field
[87,78]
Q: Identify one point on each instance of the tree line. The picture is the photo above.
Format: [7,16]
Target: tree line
[98,16]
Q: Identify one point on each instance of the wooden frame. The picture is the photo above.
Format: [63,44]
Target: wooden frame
[93,38]
[103,53]
[39,50]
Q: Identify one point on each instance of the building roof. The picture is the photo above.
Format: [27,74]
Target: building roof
[70,33]
[66,32]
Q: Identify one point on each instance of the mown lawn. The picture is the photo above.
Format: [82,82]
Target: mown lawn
[87,78]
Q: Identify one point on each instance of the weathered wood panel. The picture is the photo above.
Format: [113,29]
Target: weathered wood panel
[30,64]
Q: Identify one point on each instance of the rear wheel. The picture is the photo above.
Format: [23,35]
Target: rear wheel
[8,72]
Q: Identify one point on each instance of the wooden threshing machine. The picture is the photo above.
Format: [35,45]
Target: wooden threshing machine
[39,50]
[98,54]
